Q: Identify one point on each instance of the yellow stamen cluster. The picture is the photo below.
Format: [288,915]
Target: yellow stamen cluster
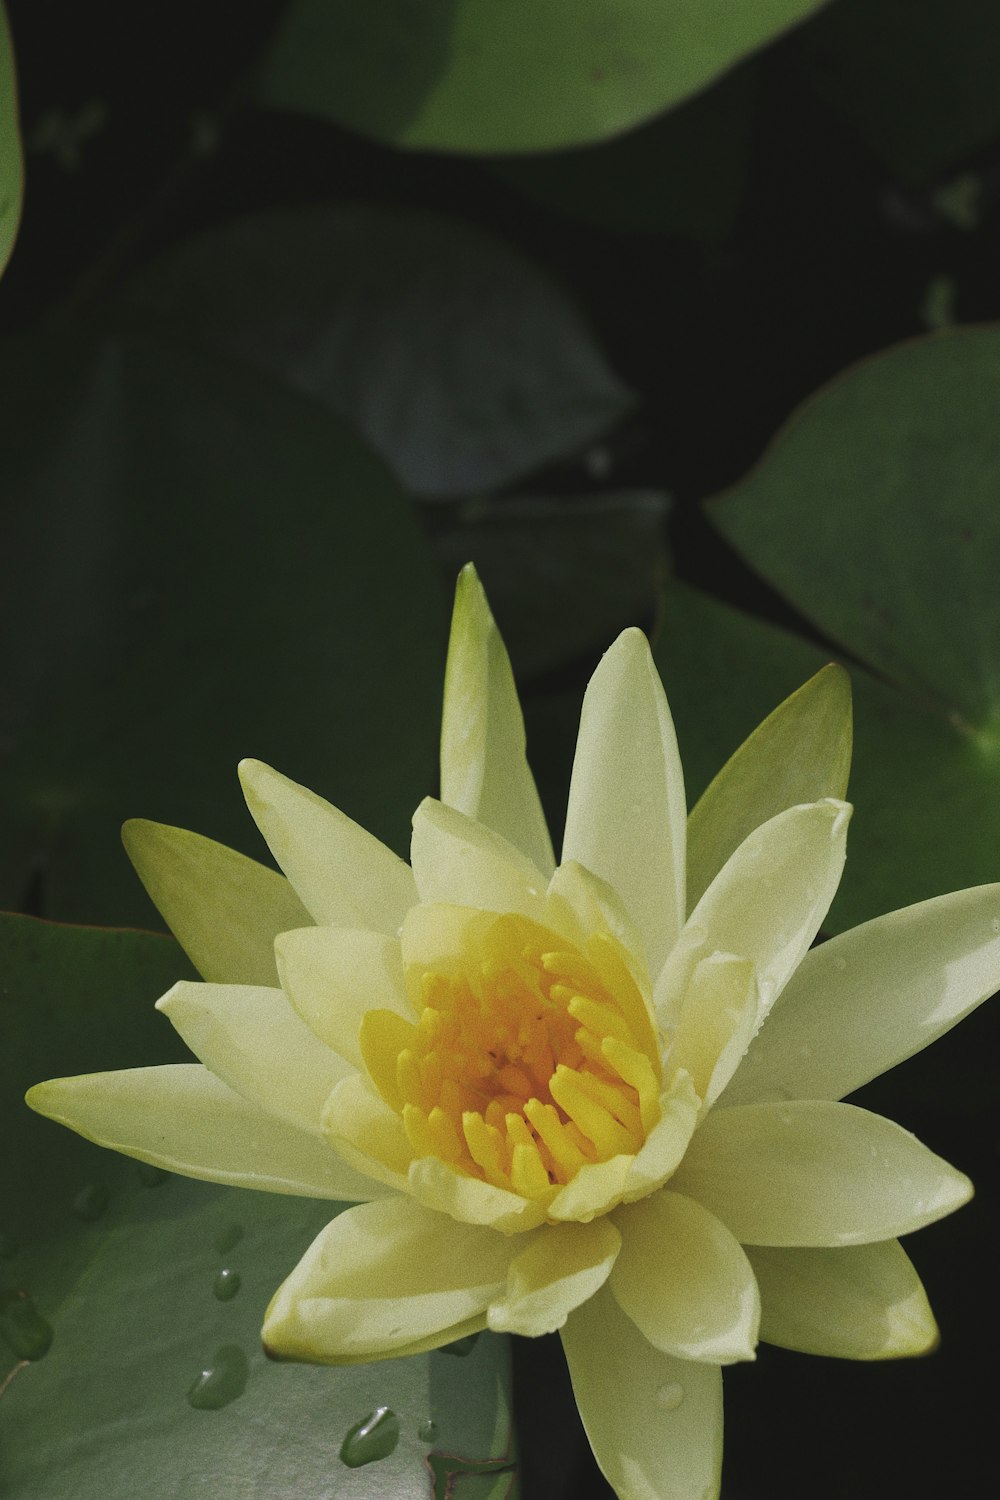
[529,1059]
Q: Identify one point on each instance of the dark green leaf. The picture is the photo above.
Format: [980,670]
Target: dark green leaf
[463,365]
[527,75]
[152,1377]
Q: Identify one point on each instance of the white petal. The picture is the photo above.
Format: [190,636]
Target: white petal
[717,1019]
[367,1133]
[332,975]
[560,1267]
[185,1119]
[484,770]
[626,815]
[800,753]
[446,1190]
[816,1173]
[343,875]
[390,1279]
[654,1422]
[459,862]
[595,907]
[685,1281]
[225,910]
[252,1039]
[768,901]
[873,996]
[862,1302]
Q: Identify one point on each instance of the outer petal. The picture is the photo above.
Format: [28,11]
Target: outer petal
[458,861]
[716,1022]
[225,910]
[560,1267]
[626,814]
[768,901]
[252,1039]
[654,1423]
[183,1118]
[342,873]
[484,770]
[684,1280]
[801,753]
[863,1302]
[333,975]
[384,1281]
[873,996]
[816,1174]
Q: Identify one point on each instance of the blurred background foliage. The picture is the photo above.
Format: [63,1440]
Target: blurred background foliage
[668,312]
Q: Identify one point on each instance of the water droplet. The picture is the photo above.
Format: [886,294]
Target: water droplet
[670,1396]
[226,1284]
[461,1347]
[427,1431]
[371,1439]
[8,1247]
[227,1238]
[22,1326]
[151,1176]
[221,1381]
[532,890]
[91,1201]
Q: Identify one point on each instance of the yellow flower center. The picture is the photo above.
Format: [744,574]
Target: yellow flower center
[529,1060]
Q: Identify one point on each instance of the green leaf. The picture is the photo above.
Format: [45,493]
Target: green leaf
[527,75]
[463,365]
[209,567]
[11,159]
[917,80]
[125,1267]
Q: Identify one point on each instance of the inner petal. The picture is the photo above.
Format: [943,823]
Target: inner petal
[526,1060]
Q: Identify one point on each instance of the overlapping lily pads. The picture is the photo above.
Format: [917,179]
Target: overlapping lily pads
[874,514]
[131,1301]
[526,75]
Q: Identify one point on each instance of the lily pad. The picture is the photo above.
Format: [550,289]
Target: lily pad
[149,1370]
[202,565]
[11,160]
[917,80]
[476,76]
[463,365]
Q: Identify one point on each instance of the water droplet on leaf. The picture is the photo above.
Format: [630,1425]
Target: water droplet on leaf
[427,1431]
[226,1284]
[221,1381]
[22,1326]
[371,1439]
[670,1396]
[461,1347]
[228,1237]
[90,1202]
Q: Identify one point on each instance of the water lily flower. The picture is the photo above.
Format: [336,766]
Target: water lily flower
[603,1096]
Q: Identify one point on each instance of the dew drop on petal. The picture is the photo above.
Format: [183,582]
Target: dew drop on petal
[226,1284]
[220,1382]
[670,1396]
[373,1438]
[90,1202]
[427,1431]
[22,1327]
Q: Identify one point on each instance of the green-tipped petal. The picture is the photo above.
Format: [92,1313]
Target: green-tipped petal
[225,910]
[873,996]
[384,1278]
[458,861]
[818,1174]
[768,901]
[684,1280]
[801,753]
[626,815]
[253,1040]
[333,975]
[484,770]
[654,1422]
[560,1267]
[343,875]
[862,1302]
[181,1117]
